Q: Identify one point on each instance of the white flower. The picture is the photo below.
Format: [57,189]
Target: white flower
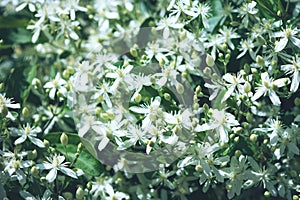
[233,83]
[56,163]
[267,86]
[287,35]
[56,85]
[119,75]
[221,122]
[151,112]
[166,23]
[27,133]
[7,103]
[295,70]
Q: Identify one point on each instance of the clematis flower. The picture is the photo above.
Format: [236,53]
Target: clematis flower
[267,86]
[56,163]
[287,35]
[294,69]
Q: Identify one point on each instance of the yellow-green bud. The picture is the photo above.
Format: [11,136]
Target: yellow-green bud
[3,110]
[34,171]
[67,195]
[79,147]
[32,154]
[65,74]
[210,60]
[196,106]
[167,96]
[231,136]
[89,186]
[162,62]
[64,139]
[70,70]
[133,52]
[43,179]
[180,88]
[297,101]
[97,110]
[79,193]
[237,153]
[228,186]
[1,87]
[224,47]
[260,61]
[198,168]
[236,139]
[205,107]
[267,194]
[138,98]
[253,137]
[46,143]
[295,197]
[227,57]
[253,70]
[265,141]
[207,71]
[247,87]
[249,117]
[25,112]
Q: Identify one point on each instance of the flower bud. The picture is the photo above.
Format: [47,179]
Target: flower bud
[297,101]
[253,137]
[237,153]
[267,194]
[34,171]
[133,52]
[1,87]
[207,71]
[180,88]
[167,96]
[65,74]
[79,147]
[138,98]
[79,193]
[210,60]
[260,61]
[25,112]
[247,87]
[67,195]
[64,139]
[89,186]
[3,111]
[46,143]
[97,110]
[32,154]
[295,197]
[198,168]
[236,139]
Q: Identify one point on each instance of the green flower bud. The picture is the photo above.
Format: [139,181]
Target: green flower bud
[260,61]
[295,197]
[237,153]
[224,47]
[25,112]
[79,147]
[228,186]
[231,136]
[207,71]
[43,179]
[227,57]
[89,186]
[297,101]
[205,107]
[249,117]
[196,106]
[198,168]
[65,74]
[180,88]
[247,87]
[32,154]
[247,68]
[236,139]
[253,137]
[267,194]
[64,139]
[3,111]
[67,195]
[210,60]
[97,110]
[167,96]
[1,87]
[34,171]
[133,52]
[79,193]
[46,143]
[162,62]
[138,98]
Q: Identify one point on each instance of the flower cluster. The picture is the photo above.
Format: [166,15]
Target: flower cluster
[180,99]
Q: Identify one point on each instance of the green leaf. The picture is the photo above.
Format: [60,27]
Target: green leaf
[11,22]
[86,161]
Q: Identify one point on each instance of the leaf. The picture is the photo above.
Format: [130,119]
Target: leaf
[86,161]
[11,22]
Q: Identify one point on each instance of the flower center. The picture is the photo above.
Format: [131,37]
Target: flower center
[55,83]
[266,84]
[288,33]
[55,162]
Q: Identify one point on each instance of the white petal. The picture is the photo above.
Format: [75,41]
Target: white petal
[295,82]
[258,93]
[295,41]
[37,142]
[51,175]
[139,110]
[274,98]
[20,139]
[103,143]
[281,44]
[68,172]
